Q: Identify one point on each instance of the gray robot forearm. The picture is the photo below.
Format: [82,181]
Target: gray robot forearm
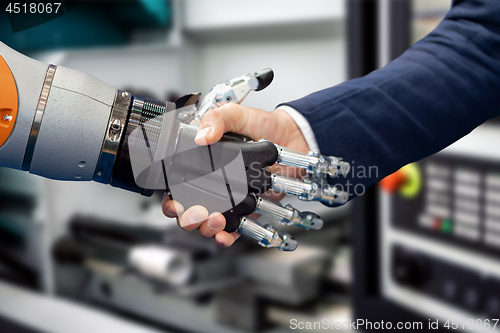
[70,126]
[61,120]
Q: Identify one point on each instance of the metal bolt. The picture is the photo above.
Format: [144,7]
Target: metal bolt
[99,173]
[313,153]
[7,117]
[124,94]
[116,125]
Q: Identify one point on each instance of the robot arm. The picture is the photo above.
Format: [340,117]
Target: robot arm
[66,125]
[62,115]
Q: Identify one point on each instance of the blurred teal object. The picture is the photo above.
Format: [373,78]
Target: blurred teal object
[87,24]
[10,233]
[160,9]
[145,13]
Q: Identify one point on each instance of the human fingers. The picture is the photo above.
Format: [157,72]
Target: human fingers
[215,223]
[225,239]
[254,123]
[192,218]
[171,208]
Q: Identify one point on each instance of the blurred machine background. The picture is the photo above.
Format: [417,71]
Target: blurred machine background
[426,241]
[423,246]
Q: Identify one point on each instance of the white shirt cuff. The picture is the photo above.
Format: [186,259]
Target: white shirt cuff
[303,125]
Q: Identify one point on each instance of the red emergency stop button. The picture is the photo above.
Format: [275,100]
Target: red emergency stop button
[406,180]
[393,182]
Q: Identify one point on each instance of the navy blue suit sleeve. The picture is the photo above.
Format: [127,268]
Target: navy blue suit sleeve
[438,91]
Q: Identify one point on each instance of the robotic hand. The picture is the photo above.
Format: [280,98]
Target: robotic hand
[230,175]
[66,125]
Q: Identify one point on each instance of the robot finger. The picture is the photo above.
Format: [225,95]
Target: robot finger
[266,235]
[309,191]
[313,163]
[288,215]
[232,91]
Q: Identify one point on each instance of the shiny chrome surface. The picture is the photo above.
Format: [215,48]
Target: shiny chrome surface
[273,210]
[313,163]
[231,91]
[332,195]
[309,191]
[266,235]
[288,215]
[304,190]
[114,134]
[37,121]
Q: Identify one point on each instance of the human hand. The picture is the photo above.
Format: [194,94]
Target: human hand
[276,126]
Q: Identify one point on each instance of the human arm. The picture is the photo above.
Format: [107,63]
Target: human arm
[435,93]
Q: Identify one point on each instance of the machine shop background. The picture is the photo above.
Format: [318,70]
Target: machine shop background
[164,49]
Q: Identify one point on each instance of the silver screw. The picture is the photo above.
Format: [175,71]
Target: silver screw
[7,117]
[124,94]
[116,125]
[99,173]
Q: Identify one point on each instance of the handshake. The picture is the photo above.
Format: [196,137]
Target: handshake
[221,162]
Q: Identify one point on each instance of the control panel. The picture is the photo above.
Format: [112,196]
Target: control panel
[457,202]
[440,232]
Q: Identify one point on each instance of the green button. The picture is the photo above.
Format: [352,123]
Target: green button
[446,226]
